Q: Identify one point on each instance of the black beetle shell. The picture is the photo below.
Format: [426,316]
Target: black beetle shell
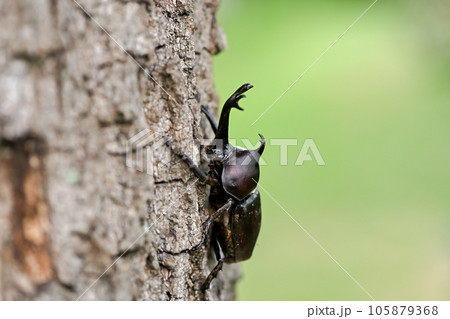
[237,233]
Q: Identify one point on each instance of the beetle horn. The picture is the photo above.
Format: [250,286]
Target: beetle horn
[260,149]
[232,102]
[256,154]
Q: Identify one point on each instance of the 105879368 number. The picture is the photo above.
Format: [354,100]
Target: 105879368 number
[403,310]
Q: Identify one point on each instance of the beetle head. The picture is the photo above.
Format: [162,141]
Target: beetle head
[218,152]
[240,172]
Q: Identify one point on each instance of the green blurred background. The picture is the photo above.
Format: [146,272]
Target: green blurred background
[377,107]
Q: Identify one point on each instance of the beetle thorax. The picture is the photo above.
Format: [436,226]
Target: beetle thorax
[240,173]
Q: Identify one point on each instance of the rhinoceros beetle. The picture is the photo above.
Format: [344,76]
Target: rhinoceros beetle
[234,200]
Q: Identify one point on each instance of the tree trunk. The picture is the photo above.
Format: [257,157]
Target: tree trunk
[78,81]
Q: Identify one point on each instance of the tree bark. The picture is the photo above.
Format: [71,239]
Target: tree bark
[71,97]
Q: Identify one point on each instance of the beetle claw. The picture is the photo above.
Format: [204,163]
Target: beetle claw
[172,149]
[204,287]
[197,247]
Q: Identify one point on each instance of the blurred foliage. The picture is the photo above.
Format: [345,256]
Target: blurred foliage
[377,107]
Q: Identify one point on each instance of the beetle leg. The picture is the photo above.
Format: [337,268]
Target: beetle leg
[198,172]
[210,118]
[207,224]
[213,274]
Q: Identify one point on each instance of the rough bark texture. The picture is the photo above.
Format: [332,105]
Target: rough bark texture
[70,98]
